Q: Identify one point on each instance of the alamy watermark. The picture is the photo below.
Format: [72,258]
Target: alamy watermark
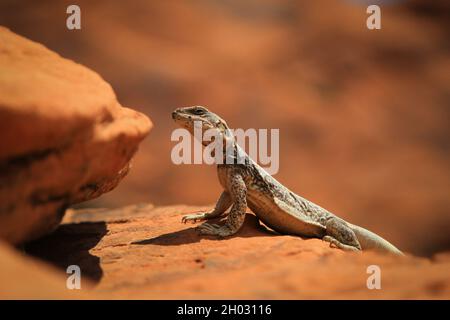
[226,148]
[373,22]
[73,21]
[374,280]
[74,280]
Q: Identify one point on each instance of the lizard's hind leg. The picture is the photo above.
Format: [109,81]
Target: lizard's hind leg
[340,235]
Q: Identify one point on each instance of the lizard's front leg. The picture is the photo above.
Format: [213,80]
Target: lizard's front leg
[222,205]
[235,219]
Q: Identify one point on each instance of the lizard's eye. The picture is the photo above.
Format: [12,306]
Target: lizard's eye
[198,111]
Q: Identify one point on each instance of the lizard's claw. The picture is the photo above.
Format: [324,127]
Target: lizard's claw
[334,243]
[214,230]
[193,218]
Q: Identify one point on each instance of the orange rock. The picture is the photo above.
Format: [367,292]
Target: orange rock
[65,138]
[145,252]
[24,278]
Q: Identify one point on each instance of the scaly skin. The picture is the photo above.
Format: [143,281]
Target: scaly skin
[248,185]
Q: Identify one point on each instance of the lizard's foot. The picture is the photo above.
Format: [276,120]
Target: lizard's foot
[334,243]
[194,217]
[341,236]
[215,230]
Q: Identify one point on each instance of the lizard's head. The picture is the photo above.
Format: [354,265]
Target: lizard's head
[188,116]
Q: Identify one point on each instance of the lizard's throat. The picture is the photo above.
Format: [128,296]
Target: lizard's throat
[232,154]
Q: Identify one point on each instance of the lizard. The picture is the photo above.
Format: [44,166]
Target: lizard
[246,184]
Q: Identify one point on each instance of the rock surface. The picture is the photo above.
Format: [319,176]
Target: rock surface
[144,251]
[22,277]
[64,137]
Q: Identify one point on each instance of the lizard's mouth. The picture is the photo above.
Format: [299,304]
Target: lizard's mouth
[183,118]
[180,118]
[180,115]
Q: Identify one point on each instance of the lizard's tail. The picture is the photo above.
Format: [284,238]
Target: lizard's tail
[371,241]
